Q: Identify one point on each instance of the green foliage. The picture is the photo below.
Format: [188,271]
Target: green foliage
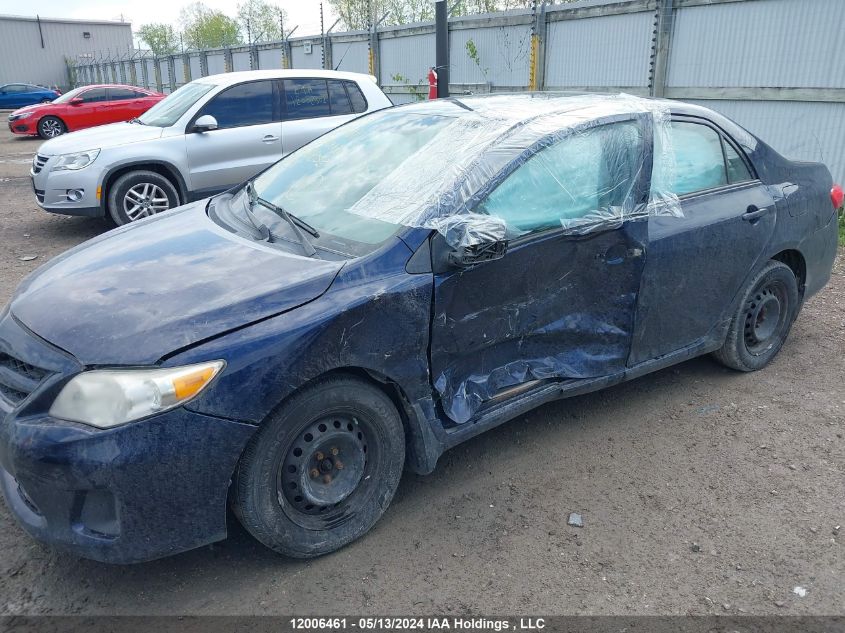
[472,53]
[417,91]
[207,28]
[261,21]
[353,13]
[841,228]
[161,38]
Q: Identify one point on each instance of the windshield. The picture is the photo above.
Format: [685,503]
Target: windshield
[170,109]
[69,95]
[323,181]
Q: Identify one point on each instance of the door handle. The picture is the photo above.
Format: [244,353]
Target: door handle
[753,213]
[270,139]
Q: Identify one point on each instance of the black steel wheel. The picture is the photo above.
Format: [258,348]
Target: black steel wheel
[763,320]
[322,469]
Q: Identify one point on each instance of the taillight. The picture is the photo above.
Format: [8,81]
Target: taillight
[837,196]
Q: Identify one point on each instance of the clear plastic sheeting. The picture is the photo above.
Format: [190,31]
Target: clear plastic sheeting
[515,158]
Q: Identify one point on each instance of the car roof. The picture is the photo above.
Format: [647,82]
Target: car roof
[229,79]
[517,108]
[116,86]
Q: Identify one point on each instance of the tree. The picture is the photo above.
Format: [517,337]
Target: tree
[260,20]
[206,28]
[354,13]
[161,38]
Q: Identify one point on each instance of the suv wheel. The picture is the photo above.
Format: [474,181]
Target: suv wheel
[51,127]
[762,322]
[140,194]
[322,469]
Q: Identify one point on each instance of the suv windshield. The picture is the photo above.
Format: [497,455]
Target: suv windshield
[170,109]
[324,180]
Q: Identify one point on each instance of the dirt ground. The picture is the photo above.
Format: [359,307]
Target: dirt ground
[702,491]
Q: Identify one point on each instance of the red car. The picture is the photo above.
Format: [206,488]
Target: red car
[83,107]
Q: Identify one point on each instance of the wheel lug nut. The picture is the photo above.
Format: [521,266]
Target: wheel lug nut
[335,451]
[320,457]
[327,479]
[314,473]
[338,464]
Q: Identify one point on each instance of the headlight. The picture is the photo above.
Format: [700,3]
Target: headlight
[77,160]
[18,117]
[109,397]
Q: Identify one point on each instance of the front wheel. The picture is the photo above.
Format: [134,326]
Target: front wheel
[140,194]
[762,322]
[51,127]
[322,470]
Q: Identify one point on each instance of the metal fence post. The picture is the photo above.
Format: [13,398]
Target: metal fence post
[186,67]
[157,71]
[327,53]
[171,71]
[537,57]
[661,46]
[145,73]
[133,71]
[287,54]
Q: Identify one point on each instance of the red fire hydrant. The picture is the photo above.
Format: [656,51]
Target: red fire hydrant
[432,83]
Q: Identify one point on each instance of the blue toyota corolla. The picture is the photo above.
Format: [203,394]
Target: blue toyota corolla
[397,286]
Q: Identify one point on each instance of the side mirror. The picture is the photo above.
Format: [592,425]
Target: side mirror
[205,123]
[463,241]
[76,101]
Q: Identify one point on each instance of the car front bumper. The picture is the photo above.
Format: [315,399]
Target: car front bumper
[55,191]
[134,493]
[23,126]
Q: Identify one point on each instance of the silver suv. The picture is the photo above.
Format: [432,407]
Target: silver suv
[204,138]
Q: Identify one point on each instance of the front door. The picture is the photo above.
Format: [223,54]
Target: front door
[247,140]
[88,111]
[560,304]
[698,263]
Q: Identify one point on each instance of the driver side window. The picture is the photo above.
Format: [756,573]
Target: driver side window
[576,180]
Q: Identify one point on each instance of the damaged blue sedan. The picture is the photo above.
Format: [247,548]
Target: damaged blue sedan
[415,277]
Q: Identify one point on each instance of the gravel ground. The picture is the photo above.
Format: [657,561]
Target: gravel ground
[702,491]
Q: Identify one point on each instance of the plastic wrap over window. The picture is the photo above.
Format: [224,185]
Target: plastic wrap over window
[533,162]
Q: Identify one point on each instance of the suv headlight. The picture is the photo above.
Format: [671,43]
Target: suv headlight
[77,160]
[110,397]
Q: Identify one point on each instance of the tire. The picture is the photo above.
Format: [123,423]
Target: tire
[762,322]
[51,127]
[294,494]
[140,194]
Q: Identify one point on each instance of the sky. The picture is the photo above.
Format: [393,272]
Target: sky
[305,13]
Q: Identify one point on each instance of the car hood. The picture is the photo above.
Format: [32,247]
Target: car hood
[137,294]
[30,108]
[100,137]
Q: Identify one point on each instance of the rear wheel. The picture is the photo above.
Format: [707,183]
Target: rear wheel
[322,470]
[763,320]
[51,127]
[140,194]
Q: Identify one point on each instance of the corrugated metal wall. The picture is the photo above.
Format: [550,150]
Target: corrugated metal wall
[602,51]
[22,58]
[351,56]
[301,59]
[778,43]
[501,55]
